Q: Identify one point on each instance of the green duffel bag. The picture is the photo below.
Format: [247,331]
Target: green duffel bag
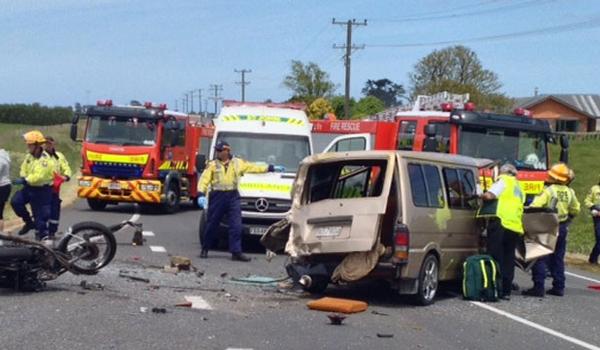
[481,278]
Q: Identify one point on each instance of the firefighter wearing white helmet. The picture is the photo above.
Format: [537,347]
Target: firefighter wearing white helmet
[592,203]
[36,176]
[557,195]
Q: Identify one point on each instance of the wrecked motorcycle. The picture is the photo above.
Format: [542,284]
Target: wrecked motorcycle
[26,265]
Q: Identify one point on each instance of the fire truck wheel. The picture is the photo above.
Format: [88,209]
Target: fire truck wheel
[95,204]
[171,204]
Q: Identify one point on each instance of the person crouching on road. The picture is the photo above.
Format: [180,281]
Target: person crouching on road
[37,174]
[62,173]
[557,195]
[4,183]
[503,206]
[222,176]
[592,202]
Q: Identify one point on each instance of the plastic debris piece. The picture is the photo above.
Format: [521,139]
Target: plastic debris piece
[170,269]
[384,335]
[159,310]
[375,312]
[91,286]
[138,238]
[336,319]
[184,304]
[181,263]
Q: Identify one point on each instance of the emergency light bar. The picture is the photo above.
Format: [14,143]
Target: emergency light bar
[150,105]
[522,112]
[104,103]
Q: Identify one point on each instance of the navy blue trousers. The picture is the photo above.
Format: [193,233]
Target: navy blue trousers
[554,262]
[39,198]
[222,203]
[54,213]
[596,251]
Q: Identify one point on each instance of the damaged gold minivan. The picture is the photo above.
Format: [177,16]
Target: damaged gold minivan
[406,217]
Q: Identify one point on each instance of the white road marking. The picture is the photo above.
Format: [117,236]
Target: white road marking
[536,326]
[147,233]
[239,349]
[158,249]
[582,277]
[198,302]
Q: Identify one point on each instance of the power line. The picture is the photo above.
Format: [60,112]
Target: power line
[591,23]
[348,47]
[496,10]
[243,83]
[216,88]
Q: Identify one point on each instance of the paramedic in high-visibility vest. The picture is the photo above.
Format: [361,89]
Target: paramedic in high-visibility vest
[503,206]
[557,195]
[221,177]
[36,177]
[592,202]
[62,173]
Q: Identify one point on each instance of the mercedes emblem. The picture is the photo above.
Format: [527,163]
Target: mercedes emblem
[261,204]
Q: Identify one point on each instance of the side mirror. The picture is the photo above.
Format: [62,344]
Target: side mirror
[564,149]
[430,130]
[200,162]
[74,122]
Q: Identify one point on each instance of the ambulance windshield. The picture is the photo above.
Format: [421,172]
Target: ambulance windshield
[526,150]
[123,131]
[286,150]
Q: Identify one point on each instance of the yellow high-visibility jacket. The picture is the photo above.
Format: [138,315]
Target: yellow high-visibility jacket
[38,171]
[566,201]
[224,176]
[593,197]
[62,165]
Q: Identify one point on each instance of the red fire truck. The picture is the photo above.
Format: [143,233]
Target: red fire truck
[142,154]
[516,138]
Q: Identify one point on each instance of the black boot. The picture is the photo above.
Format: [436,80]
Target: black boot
[534,292]
[240,257]
[25,229]
[204,254]
[556,292]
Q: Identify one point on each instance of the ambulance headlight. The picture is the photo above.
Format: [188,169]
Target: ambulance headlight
[85,183]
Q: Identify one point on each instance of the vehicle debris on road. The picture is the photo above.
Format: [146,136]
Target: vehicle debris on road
[134,278]
[336,319]
[91,286]
[346,306]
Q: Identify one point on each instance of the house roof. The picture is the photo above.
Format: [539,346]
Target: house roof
[588,105]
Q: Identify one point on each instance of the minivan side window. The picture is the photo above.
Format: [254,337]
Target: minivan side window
[460,188]
[426,185]
[406,135]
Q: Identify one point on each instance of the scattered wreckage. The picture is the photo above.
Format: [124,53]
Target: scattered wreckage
[405,217]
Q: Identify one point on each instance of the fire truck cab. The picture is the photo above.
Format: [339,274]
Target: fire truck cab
[139,154]
[455,128]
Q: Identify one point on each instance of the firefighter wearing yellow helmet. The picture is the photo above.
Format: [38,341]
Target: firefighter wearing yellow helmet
[36,176]
[557,195]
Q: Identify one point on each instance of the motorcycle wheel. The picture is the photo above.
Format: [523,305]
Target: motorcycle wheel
[89,247]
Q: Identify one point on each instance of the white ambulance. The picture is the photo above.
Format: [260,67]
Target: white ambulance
[269,133]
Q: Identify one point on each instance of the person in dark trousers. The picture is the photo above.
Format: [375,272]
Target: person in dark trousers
[592,203]
[62,173]
[503,208]
[37,176]
[557,195]
[4,183]
[222,176]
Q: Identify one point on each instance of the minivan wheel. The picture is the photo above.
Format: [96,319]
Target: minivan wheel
[428,281]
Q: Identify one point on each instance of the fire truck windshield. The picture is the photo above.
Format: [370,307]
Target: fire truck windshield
[526,150]
[123,131]
[286,150]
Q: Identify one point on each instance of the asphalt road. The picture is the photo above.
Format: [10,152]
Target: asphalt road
[233,315]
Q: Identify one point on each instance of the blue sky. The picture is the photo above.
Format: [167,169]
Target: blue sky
[58,52]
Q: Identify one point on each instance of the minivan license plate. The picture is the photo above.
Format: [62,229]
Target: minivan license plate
[328,231]
[258,230]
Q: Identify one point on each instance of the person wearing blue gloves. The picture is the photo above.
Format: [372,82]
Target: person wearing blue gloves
[222,176]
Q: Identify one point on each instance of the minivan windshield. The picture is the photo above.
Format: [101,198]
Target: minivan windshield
[123,131]
[286,150]
[525,149]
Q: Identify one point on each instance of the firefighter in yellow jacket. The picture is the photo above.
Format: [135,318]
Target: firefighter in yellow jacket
[62,173]
[592,203]
[221,177]
[557,195]
[37,173]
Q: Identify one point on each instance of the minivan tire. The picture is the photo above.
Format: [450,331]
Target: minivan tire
[428,282]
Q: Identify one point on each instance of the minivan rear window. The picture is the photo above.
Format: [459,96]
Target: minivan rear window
[426,185]
[348,179]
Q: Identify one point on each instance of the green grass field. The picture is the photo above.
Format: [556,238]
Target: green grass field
[11,139]
[584,159]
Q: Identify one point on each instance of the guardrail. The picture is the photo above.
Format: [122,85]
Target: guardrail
[581,136]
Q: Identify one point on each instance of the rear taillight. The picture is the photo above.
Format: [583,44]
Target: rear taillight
[401,243]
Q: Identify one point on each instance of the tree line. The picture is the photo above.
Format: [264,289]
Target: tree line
[34,114]
[455,69]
